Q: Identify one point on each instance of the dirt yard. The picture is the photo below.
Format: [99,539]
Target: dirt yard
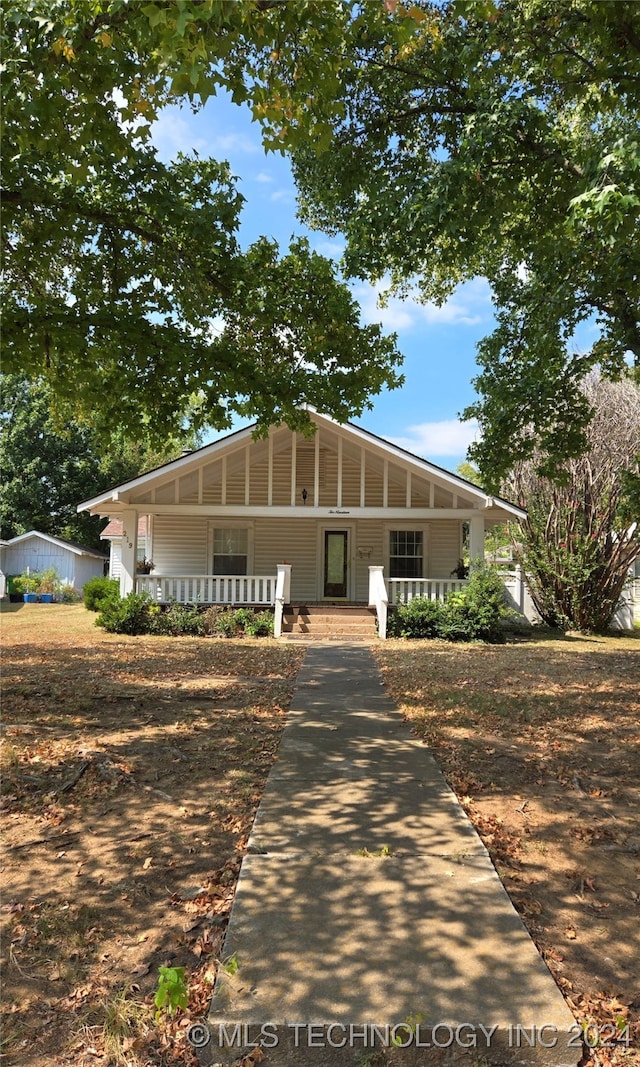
[541,742]
[132,768]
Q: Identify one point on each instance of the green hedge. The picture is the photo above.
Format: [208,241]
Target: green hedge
[476,613]
[137,613]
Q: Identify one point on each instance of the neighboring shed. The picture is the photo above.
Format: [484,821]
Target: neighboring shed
[74,564]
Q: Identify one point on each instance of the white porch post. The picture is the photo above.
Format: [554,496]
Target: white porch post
[476,539]
[283,596]
[129,552]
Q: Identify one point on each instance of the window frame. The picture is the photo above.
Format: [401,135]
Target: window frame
[227,524]
[407,527]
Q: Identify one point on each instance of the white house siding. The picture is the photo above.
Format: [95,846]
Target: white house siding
[180,545]
[279,541]
[444,548]
[115,559]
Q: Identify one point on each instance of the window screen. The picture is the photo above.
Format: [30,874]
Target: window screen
[230,549]
[406,554]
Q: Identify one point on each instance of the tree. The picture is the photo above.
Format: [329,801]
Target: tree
[582,533]
[498,138]
[47,468]
[124,283]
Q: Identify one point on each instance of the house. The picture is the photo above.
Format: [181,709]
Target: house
[35,551]
[343,517]
[113,534]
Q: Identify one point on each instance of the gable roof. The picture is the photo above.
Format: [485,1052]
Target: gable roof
[78,550]
[192,460]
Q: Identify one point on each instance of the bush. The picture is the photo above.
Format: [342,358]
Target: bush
[224,623]
[135,614]
[419,618]
[178,620]
[261,625]
[475,613]
[49,581]
[233,622]
[98,592]
[26,583]
[68,595]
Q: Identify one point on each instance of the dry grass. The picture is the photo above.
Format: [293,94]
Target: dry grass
[541,742]
[132,768]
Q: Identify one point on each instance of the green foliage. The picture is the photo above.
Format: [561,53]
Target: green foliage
[497,139]
[179,620]
[419,618]
[476,613]
[104,254]
[35,582]
[260,625]
[68,595]
[581,535]
[26,583]
[233,622]
[133,614]
[49,464]
[98,592]
[172,992]
[49,581]
[137,613]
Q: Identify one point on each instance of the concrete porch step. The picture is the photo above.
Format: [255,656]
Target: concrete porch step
[329,622]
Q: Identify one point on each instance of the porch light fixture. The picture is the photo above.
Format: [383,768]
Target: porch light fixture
[304,496]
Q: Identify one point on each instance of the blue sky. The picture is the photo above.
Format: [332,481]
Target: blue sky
[438,344]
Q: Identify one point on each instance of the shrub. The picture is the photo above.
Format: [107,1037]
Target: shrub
[419,618]
[135,614]
[475,613]
[232,622]
[26,583]
[178,620]
[225,623]
[68,595]
[98,592]
[260,625]
[49,581]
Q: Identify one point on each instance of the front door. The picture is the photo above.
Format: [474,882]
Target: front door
[335,563]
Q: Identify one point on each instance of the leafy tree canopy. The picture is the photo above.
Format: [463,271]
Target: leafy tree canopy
[498,138]
[48,467]
[124,282]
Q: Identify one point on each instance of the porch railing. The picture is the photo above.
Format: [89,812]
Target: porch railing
[209,588]
[402,590]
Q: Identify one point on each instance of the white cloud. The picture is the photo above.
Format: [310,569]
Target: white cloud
[171,133]
[469,305]
[330,249]
[264,178]
[283,196]
[449,437]
[174,131]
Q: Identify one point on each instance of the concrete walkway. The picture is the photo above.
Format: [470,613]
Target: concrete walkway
[368,914]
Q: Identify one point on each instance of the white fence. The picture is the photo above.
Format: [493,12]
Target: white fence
[402,590]
[209,588]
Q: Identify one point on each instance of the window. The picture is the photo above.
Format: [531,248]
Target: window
[230,551]
[406,554]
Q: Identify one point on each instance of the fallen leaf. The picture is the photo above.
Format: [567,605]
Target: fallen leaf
[147,863]
[570,933]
